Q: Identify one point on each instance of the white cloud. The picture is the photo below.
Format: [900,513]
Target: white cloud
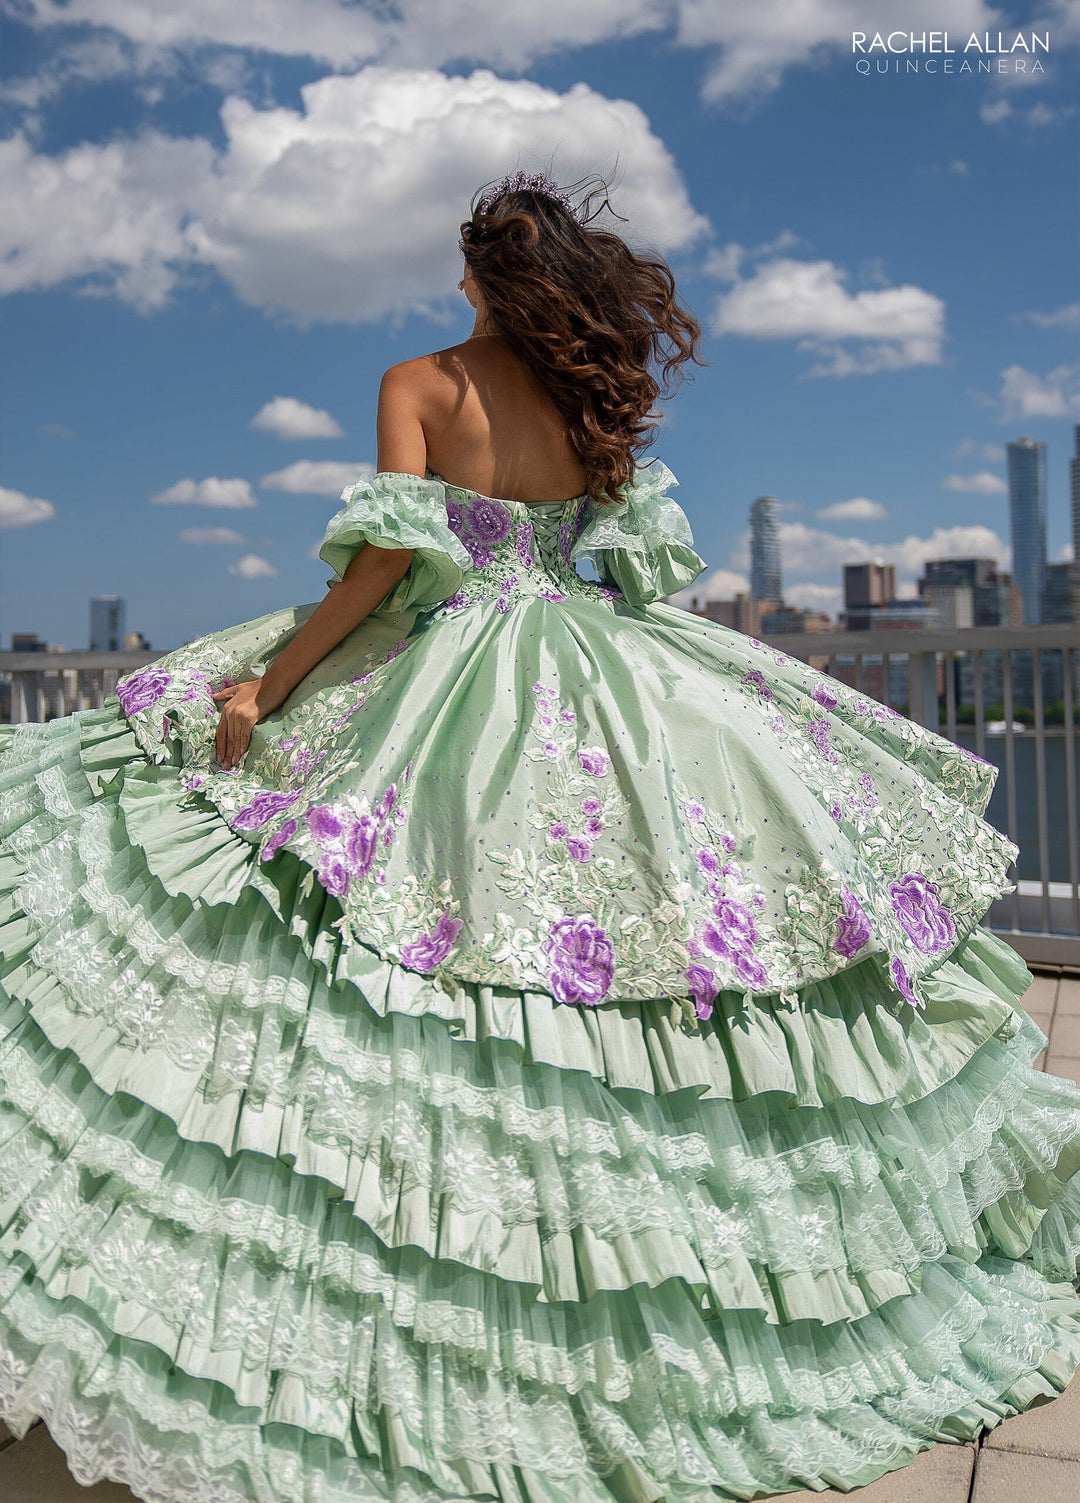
[111,213]
[983,483]
[1065,554]
[1065,317]
[858,333]
[230,494]
[721,584]
[1037,116]
[210,535]
[808,551]
[812,559]
[1025,394]
[858,509]
[289,418]
[815,597]
[20,510]
[758,43]
[322,29]
[970,448]
[317,477]
[346,209]
[750,48]
[251,566]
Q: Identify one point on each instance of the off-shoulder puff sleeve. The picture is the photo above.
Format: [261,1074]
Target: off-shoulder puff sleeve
[399,511]
[643,544]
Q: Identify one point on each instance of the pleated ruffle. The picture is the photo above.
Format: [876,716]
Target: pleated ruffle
[272,1231]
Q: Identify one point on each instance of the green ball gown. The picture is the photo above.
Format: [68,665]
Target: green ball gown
[561,1064]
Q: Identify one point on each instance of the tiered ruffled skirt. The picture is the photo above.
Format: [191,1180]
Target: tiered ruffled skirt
[285,1223]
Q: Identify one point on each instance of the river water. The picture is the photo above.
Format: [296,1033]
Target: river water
[1027,836]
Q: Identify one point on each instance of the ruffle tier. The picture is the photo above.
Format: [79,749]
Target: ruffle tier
[272,1231]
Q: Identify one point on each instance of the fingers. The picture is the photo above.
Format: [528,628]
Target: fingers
[233,737]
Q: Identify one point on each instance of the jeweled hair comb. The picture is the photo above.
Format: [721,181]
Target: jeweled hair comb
[525,182]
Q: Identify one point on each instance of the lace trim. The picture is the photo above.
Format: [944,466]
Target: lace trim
[884,1221]
[997,1331]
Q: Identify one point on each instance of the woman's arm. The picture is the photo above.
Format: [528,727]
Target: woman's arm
[369,578]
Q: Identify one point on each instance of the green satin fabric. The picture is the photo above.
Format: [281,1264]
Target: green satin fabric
[410,1155]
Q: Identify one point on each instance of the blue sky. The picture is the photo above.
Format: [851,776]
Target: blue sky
[203,215]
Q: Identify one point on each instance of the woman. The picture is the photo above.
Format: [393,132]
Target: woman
[494,1035]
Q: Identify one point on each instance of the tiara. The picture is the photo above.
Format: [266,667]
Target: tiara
[525,182]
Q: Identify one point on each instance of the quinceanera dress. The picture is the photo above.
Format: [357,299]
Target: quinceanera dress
[561,1064]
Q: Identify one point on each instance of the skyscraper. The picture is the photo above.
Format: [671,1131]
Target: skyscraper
[1027,518]
[1074,493]
[107,623]
[765,583]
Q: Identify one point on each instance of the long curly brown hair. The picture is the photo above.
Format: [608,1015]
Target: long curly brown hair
[599,325]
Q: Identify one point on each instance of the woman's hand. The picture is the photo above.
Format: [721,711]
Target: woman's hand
[245,705]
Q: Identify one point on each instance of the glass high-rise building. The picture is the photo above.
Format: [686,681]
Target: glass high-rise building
[1027,518]
[107,623]
[1074,493]
[765,582]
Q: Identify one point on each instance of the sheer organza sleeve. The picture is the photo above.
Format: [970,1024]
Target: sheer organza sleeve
[643,545]
[399,511]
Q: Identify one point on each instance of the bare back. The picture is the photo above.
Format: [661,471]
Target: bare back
[487,425]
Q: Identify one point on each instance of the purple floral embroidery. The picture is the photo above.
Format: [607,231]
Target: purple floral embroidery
[324,822]
[702,989]
[594,759]
[902,982]
[275,841]
[582,961]
[334,874]
[736,924]
[489,520]
[568,715]
[853,929]
[141,690]
[505,586]
[262,808]
[749,968]
[580,849]
[361,843]
[591,805]
[825,696]
[915,903]
[609,592]
[430,950]
[835,811]
[565,540]
[558,830]
[821,736]
[708,861]
[306,759]
[551,595]
[455,602]
[755,679]
[480,525]
[523,544]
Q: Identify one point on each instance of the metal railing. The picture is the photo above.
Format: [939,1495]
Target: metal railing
[946,680]
[48,685]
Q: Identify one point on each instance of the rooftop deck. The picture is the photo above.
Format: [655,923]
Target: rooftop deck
[1035,1455]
